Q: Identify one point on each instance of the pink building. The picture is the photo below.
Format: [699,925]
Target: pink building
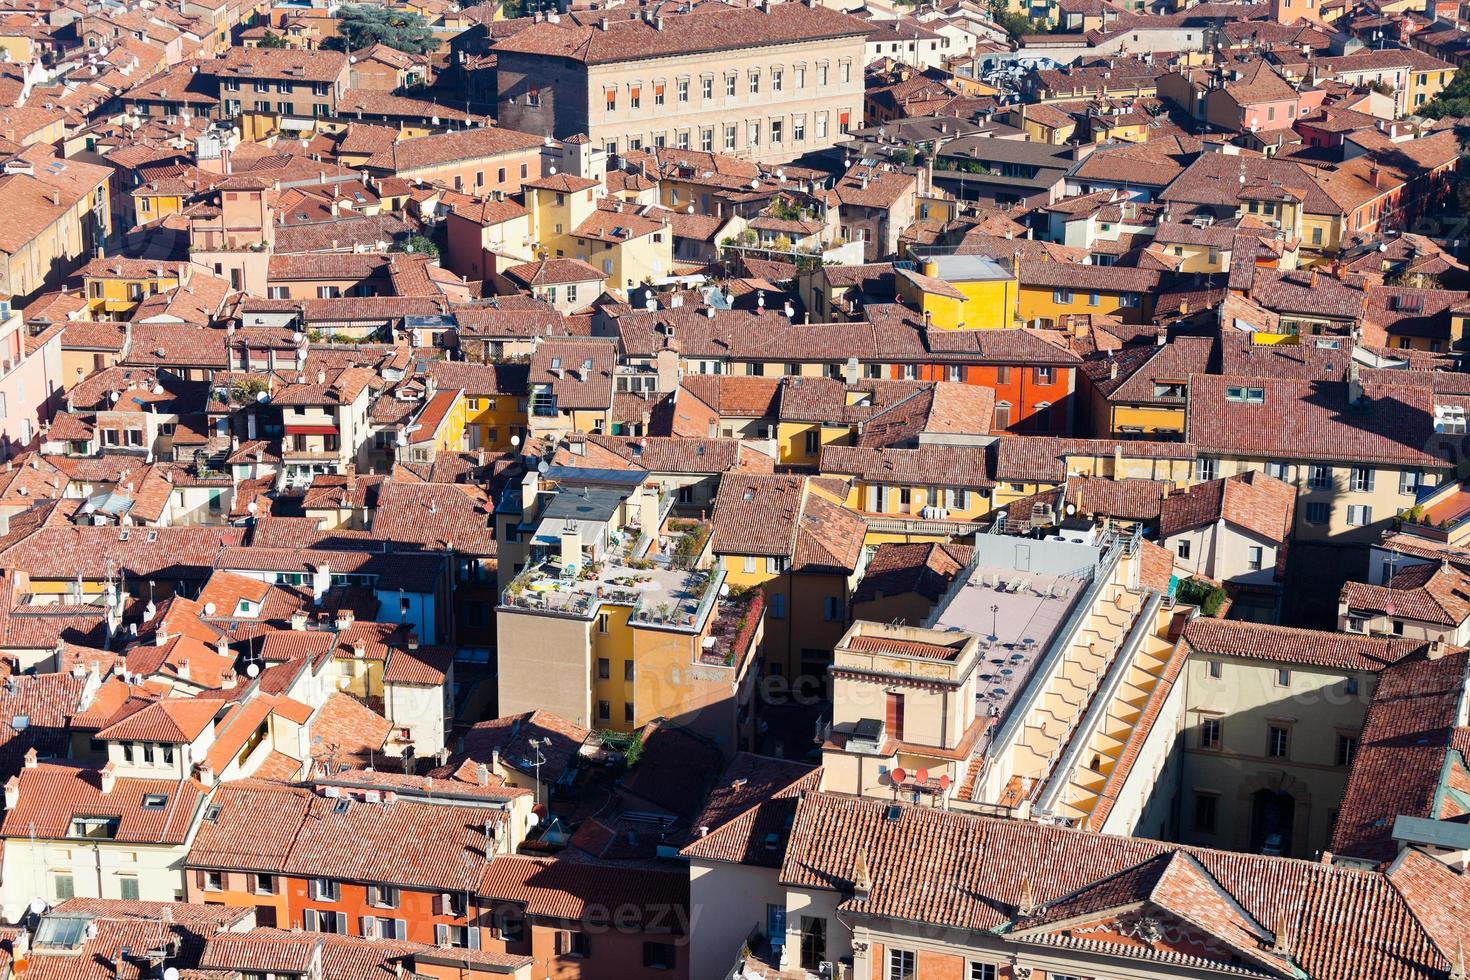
[30,379]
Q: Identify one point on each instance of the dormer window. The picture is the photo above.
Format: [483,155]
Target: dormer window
[155,801]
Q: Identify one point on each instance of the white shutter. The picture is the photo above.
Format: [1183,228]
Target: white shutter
[872,496]
[369,927]
[400,929]
[309,920]
[473,933]
[441,934]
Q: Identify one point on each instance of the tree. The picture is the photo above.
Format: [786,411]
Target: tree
[363,25]
[1013,23]
[273,40]
[422,245]
[1453,101]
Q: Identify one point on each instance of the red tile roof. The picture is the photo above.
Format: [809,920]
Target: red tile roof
[51,794]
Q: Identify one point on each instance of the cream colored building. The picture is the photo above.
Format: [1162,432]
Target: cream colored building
[770,82]
[1271,721]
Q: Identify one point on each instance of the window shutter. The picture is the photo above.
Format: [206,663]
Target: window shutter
[473,937]
[309,920]
[372,894]
[199,879]
[400,929]
[441,934]
[369,927]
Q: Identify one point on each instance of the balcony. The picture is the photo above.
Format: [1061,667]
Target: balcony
[659,597]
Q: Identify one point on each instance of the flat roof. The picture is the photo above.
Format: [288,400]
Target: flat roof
[1016,615]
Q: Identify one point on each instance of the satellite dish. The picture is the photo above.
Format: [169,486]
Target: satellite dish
[253,670]
[38,905]
[532,820]
[172,973]
[209,609]
[725,590]
[755,183]
[897,776]
[252,507]
[542,467]
[1071,509]
[515,440]
[944,781]
[262,397]
[551,171]
[112,397]
[922,775]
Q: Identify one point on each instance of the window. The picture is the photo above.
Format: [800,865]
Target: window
[707,88]
[707,140]
[658,93]
[846,72]
[1061,296]
[1206,469]
[729,86]
[659,956]
[778,606]
[753,133]
[1283,677]
[1278,471]
[635,97]
[729,138]
[155,801]
[604,667]
[1044,375]
[628,670]
[572,942]
[265,884]
[1255,556]
[1205,807]
[901,965]
[1359,515]
[127,887]
[604,711]
[1319,477]
[1182,547]
[982,971]
[755,83]
[1347,750]
[1278,741]
[1217,669]
[813,442]
[326,890]
[822,74]
[1362,479]
[63,886]
[821,126]
[612,100]
[628,712]
[831,608]
[749,565]
[776,134]
[1318,513]
[1209,733]
[1243,393]
[683,89]
[214,881]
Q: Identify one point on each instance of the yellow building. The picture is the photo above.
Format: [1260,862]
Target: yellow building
[439,427]
[960,292]
[937,489]
[1143,391]
[803,551]
[57,213]
[1052,290]
[1027,465]
[117,286]
[494,403]
[557,204]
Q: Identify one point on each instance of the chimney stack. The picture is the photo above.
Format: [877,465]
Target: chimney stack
[109,778]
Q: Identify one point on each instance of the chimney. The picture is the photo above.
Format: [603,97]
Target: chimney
[1372,178]
[109,778]
[1113,371]
[1184,307]
[31,757]
[12,795]
[298,619]
[1436,649]
[413,641]
[862,882]
[482,775]
[183,671]
[344,619]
